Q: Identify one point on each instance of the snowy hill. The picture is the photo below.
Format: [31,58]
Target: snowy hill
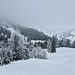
[60,63]
[33,33]
[67,35]
[70,34]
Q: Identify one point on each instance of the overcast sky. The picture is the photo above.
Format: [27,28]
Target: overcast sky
[44,15]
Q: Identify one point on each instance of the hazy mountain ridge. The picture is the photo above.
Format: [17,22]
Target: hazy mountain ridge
[32,33]
[67,34]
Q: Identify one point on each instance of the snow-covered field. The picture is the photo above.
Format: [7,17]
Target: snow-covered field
[60,63]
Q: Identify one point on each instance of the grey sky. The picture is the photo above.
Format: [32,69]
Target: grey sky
[41,14]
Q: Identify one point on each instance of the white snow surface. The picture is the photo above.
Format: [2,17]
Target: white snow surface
[60,63]
[33,41]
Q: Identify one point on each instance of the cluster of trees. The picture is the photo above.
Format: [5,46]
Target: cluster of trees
[15,46]
[32,33]
[66,43]
[4,33]
[13,49]
[18,47]
[50,44]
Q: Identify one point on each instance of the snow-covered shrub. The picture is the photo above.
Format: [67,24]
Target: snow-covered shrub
[43,54]
[6,55]
[1,57]
[40,53]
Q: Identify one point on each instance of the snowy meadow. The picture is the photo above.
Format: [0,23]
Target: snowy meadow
[60,63]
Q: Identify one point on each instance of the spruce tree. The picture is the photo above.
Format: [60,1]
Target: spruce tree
[68,44]
[53,44]
[16,45]
[73,45]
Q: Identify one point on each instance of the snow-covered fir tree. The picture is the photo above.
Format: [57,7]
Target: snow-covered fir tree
[49,45]
[63,43]
[68,44]
[53,44]
[73,45]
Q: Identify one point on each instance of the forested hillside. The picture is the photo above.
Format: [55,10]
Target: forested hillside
[34,34]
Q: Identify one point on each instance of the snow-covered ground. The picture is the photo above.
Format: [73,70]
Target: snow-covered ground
[60,63]
[33,41]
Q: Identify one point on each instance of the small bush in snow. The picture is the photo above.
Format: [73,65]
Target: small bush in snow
[40,53]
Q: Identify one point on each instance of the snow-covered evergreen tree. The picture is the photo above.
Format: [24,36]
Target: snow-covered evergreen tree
[1,57]
[49,45]
[6,55]
[63,43]
[53,44]
[16,47]
[73,45]
[68,44]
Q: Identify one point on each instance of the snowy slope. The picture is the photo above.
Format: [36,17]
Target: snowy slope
[31,32]
[51,33]
[70,34]
[61,63]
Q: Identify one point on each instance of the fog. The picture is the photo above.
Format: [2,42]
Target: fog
[44,15]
